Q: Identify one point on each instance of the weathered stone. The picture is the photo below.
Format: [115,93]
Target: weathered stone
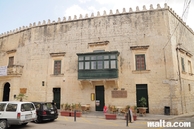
[132,34]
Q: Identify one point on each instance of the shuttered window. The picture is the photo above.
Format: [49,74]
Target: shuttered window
[140,62]
[183,64]
[57,67]
[11,60]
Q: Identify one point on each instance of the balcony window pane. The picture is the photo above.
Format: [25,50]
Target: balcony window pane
[93,57]
[106,64]
[87,65]
[81,65]
[100,64]
[112,57]
[87,58]
[93,65]
[81,58]
[106,57]
[99,57]
[112,64]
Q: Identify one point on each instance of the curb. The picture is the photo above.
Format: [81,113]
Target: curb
[149,118]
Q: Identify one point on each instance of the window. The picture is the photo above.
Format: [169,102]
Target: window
[81,65]
[140,62]
[11,60]
[87,65]
[98,62]
[182,64]
[11,107]
[48,106]
[2,106]
[27,107]
[189,87]
[189,67]
[57,67]
[113,64]
[106,64]
[93,65]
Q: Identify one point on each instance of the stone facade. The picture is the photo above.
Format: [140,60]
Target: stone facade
[159,34]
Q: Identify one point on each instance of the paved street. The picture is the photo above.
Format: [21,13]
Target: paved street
[183,119]
[95,123]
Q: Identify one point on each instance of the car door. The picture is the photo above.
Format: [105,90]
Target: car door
[28,111]
[2,109]
[10,111]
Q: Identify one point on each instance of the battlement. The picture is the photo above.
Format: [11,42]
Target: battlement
[64,20]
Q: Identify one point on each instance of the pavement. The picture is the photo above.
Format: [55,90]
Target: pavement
[147,117]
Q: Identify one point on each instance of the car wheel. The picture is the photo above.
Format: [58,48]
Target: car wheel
[38,120]
[52,119]
[3,124]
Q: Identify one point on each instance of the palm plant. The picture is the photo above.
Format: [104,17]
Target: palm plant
[21,97]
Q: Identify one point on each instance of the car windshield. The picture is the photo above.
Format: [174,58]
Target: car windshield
[27,107]
[48,106]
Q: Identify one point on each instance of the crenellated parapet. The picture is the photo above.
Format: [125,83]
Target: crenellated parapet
[75,18]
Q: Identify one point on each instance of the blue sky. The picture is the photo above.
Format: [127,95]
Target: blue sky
[18,13]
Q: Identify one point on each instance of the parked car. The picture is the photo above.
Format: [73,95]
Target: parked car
[16,113]
[45,111]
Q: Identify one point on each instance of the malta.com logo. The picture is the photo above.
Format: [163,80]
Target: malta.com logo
[163,123]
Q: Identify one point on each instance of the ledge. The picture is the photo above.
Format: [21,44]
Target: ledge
[185,52]
[57,54]
[94,82]
[59,75]
[11,51]
[139,47]
[98,43]
[140,71]
[183,72]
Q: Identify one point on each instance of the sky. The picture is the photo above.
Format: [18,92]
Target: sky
[19,13]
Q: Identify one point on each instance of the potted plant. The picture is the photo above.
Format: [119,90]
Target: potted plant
[135,113]
[76,108]
[111,116]
[65,110]
[21,97]
[127,107]
[126,111]
[62,106]
[143,103]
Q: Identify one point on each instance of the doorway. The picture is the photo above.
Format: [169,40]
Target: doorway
[6,92]
[99,90]
[57,97]
[142,91]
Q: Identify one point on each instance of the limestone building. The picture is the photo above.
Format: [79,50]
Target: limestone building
[104,59]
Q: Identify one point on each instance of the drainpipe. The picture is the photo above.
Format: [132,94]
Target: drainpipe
[180,81]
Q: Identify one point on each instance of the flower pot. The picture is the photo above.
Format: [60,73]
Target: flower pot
[134,117]
[142,111]
[111,116]
[78,114]
[65,113]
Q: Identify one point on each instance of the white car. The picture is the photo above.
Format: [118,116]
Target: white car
[16,113]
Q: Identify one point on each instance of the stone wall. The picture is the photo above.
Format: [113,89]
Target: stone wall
[152,28]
